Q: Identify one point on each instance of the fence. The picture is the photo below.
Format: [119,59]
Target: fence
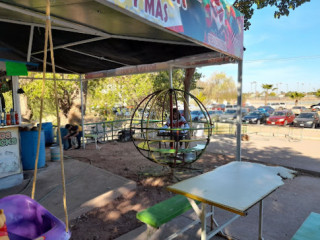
[108,130]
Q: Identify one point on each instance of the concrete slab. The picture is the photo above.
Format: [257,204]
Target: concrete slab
[284,212]
[87,187]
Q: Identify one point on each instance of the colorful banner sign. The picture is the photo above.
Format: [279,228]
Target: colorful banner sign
[212,22]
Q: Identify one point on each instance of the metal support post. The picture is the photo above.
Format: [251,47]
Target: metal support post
[239,112]
[203,222]
[260,220]
[82,122]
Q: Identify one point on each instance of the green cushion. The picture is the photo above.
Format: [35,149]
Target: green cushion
[164,211]
[310,229]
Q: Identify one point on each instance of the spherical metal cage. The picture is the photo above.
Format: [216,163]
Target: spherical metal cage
[169,144]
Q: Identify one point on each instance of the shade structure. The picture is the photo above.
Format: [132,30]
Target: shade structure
[104,35]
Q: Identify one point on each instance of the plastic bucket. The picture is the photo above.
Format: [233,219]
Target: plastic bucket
[29,141]
[55,153]
[48,132]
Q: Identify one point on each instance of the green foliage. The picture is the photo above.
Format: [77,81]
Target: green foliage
[105,94]
[67,91]
[102,94]
[317,93]
[161,80]
[283,7]
[296,96]
[267,87]
[272,94]
[219,87]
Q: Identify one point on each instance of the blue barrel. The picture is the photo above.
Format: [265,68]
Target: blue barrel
[29,141]
[48,132]
[65,142]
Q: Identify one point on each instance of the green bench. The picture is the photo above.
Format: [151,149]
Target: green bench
[164,212]
[310,229]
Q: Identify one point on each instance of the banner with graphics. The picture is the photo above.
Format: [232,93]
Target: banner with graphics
[214,23]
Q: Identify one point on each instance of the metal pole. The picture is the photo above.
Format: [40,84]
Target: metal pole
[30,43]
[82,122]
[239,113]
[261,220]
[171,105]
[170,77]
[16,97]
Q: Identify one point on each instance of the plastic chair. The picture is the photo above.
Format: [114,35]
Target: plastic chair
[27,219]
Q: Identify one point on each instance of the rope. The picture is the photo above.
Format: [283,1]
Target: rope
[49,33]
[41,103]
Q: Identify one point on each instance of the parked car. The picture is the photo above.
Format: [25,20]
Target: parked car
[282,117]
[262,110]
[255,117]
[229,106]
[215,115]
[197,115]
[307,119]
[277,105]
[249,108]
[267,109]
[221,107]
[315,107]
[230,115]
[298,109]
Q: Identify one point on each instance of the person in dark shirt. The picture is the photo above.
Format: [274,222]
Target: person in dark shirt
[73,131]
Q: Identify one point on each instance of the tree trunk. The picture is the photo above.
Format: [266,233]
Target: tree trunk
[187,85]
[26,111]
[265,98]
[85,93]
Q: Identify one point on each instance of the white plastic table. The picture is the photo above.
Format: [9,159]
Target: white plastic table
[234,187]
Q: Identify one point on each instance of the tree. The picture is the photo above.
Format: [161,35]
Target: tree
[161,80]
[266,88]
[317,93]
[219,87]
[283,7]
[123,91]
[68,96]
[296,96]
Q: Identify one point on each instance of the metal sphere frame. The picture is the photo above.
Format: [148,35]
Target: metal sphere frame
[173,146]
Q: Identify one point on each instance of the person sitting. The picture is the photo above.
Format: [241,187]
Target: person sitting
[73,131]
[178,122]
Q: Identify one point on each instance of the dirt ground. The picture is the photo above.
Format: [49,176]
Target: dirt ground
[119,216]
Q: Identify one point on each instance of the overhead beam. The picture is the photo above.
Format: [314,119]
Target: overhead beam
[187,62]
[97,57]
[75,43]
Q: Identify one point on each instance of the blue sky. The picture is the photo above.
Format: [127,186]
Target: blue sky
[284,52]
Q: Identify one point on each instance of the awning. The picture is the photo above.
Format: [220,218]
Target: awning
[120,36]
